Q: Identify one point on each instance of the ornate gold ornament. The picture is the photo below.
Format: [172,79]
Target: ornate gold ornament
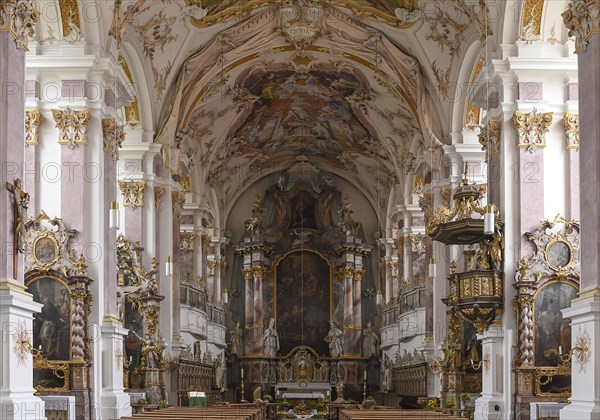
[132,111]
[60,370]
[531,20]
[113,135]
[186,242]
[72,125]
[211,264]
[133,193]
[532,128]
[490,136]
[18,17]
[417,243]
[159,192]
[582,18]
[33,119]
[178,200]
[348,272]
[394,268]
[457,225]
[22,344]
[571,123]
[184,181]
[47,247]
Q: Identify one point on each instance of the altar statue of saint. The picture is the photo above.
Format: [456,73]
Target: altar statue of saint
[270,340]
[236,339]
[149,351]
[370,341]
[334,338]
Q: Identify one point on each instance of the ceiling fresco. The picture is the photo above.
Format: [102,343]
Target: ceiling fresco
[243,88]
[302,113]
[392,12]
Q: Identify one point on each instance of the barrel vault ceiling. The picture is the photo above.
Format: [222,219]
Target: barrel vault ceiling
[241,89]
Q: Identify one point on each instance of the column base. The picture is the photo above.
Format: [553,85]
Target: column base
[585,378]
[490,408]
[113,400]
[16,317]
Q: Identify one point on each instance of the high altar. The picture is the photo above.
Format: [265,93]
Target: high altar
[304,263]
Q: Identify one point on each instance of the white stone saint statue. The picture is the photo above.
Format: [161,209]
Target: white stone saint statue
[334,338]
[370,341]
[236,339]
[270,340]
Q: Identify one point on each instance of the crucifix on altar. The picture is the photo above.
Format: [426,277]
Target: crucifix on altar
[20,203]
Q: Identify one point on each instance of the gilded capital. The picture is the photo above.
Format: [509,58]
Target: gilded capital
[18,18]
[72,125]
[532,128]
[571,123]
[113,135]
[33,119]
[133,193]
[582,19]
[489,137]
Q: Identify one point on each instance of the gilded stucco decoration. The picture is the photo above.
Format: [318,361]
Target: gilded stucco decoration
[33,119]
[132,111]
[159,192]
[72,125]
[71,23]
[490,137]
[122,16]
[155,34]
[113,136]
[177,202]
[473,113]
[47,246]
[582,18]
[186,242]
[571,124]
[133,193]
[532,129]
[531,20]
[417,243]
[21,344]
[18,17]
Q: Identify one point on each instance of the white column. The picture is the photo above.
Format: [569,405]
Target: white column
[114,402]
[490,406]
[16,378]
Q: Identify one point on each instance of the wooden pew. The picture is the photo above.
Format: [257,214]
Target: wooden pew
[201,413]
[396,414]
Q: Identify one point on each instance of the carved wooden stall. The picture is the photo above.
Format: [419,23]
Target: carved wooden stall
[546,281]
[195,373]
[56,277]
[409,377]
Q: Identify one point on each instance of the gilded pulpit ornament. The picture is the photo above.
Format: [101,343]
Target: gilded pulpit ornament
[571,123]
[72,125]
[133,193]
[33,119]
[114,136]
[532,128]
[582,18]
[18,18]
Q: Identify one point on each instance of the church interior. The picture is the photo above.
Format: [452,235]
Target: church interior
[280,209]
